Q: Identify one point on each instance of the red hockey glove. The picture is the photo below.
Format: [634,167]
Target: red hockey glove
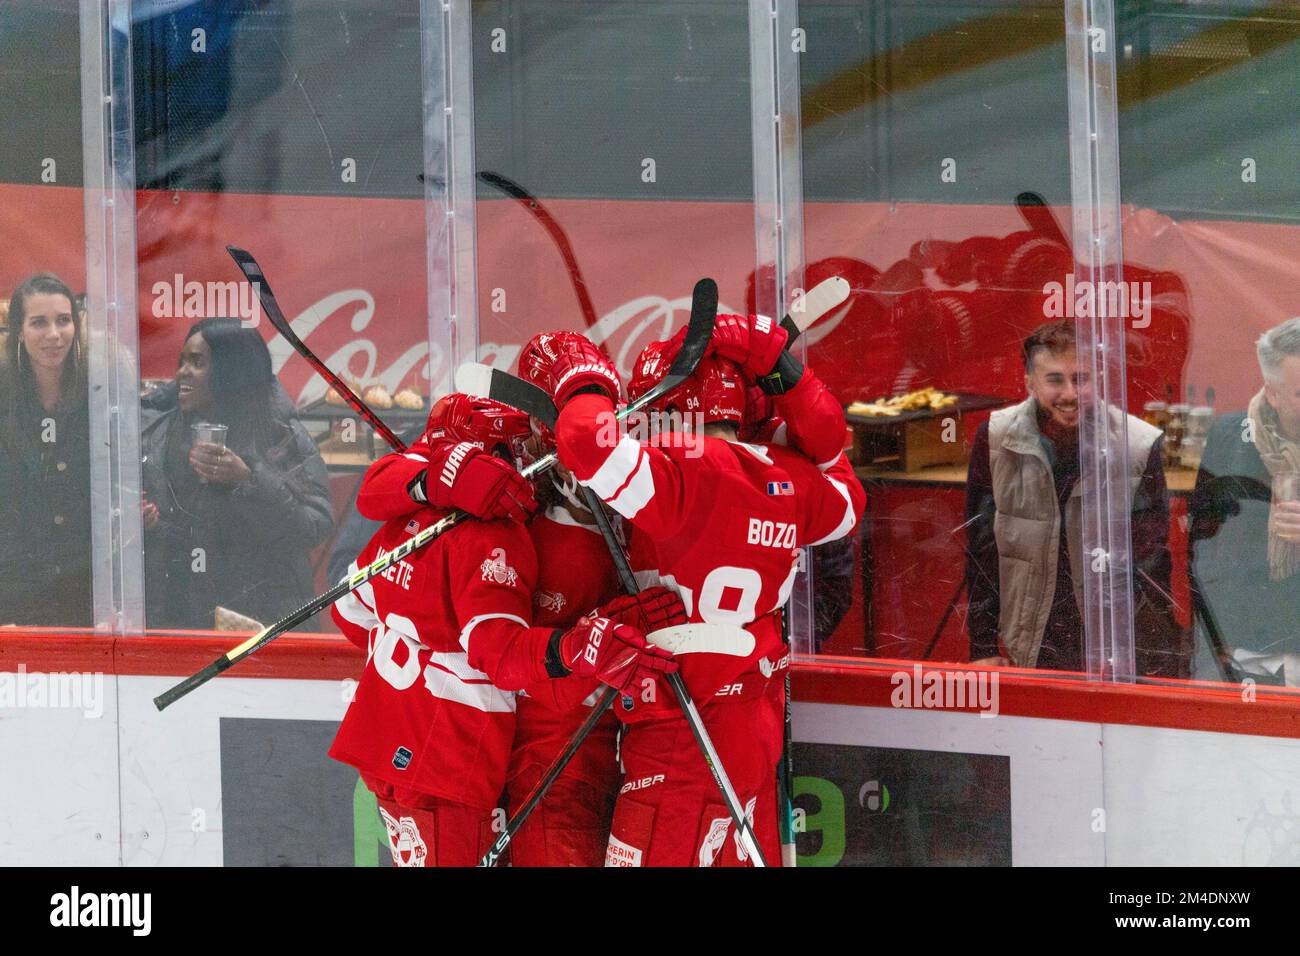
[753,342]
[652,609]
[565,363]
[614,653]
[465,477]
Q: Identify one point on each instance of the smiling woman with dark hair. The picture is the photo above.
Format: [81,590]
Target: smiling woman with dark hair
[228,524]
[44,461]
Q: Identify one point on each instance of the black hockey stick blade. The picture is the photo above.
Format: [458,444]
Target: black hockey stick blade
[555,231]
[1038,217]
[483,381]
[699,332]
[257,278]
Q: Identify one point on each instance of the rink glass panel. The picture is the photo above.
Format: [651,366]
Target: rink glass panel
[302,132]
[922,124]
[1210,183]
[45,455]
[295,131]
[628,127]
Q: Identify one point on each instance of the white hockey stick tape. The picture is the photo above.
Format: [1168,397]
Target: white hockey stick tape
[818,300]
[474,379]
[704,639]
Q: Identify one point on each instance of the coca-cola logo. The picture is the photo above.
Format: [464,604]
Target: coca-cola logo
[346,314]
[321,322]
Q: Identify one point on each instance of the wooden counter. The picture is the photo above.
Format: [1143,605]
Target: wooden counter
[1179,480]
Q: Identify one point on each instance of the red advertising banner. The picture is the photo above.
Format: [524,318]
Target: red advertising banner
[943,295]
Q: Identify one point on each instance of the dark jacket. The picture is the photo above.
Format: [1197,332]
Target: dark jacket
[1228,541]
[255,538]
[45,578]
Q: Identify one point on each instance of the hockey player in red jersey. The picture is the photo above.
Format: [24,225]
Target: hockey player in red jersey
[450,639]
[721,523]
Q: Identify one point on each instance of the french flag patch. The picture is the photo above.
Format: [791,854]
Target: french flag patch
[412,526]
[780,487]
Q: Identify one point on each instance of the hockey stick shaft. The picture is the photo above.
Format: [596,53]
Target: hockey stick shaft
[536,402]
[696,723]
[322,601]
[698,730]
[785,769]
[257,278]
[810,307]
[704,309]
[555,231]
[557,767]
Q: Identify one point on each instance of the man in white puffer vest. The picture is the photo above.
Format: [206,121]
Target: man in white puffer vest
[1024,524]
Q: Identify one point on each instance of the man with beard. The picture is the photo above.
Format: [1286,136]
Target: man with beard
[1025,557]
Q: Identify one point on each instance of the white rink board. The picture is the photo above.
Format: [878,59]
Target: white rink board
[1056,767]
[1172,797]
[1195,798]
[58,785]
[171,760]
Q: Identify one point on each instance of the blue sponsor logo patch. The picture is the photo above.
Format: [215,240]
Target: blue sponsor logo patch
[402,758]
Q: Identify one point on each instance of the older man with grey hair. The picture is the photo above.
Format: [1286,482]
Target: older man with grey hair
[1245,528]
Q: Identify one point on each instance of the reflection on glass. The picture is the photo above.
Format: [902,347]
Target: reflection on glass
[295,131]
[1210,182]
[1245,527]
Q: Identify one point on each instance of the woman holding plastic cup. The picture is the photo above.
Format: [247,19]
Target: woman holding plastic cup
[236,494]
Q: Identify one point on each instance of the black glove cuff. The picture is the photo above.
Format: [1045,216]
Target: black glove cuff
[554,666]
[417,489]
[783,377]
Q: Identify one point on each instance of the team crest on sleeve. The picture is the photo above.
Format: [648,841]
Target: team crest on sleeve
[549,601]
[495,569]
[404,840]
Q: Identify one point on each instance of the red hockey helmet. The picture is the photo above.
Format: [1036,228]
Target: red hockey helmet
[489,424]
[538,353]
[716,389]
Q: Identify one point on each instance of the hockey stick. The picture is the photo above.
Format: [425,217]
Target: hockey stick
[785,769]
[667,637]
[317,604]
[322,601]
[1038,217]
[555,231]
[476,379]
[483,381]
[506,388]
[253,273]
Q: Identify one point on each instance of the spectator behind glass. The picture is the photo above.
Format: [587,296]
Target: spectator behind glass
[4,333]
[1024,523]
[44,461]
[1245,527]
[233,526]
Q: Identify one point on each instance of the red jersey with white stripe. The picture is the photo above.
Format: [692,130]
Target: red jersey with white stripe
[426,716]
[384,492]
[719,522]
[575,575]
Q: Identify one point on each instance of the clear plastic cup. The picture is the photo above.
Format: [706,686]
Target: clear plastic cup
[209,433]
